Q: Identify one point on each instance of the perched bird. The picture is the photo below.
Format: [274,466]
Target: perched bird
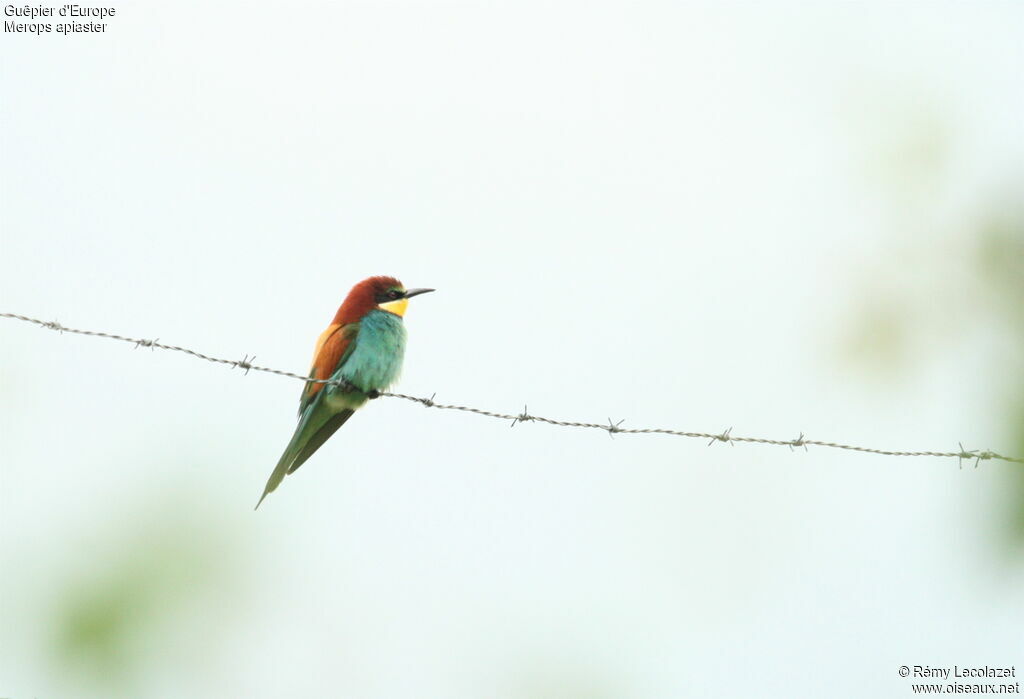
[362,350]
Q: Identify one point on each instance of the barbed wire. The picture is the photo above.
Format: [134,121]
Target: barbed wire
[612,428]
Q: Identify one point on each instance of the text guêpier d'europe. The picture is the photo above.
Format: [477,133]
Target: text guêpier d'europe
[15,16]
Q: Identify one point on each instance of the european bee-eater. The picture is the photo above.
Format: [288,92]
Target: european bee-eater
[362,350]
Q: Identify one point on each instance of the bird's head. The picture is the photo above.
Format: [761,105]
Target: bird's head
[380,293]
[391,296]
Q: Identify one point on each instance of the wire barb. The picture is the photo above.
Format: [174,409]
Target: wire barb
[964,454]
[798,442]
[244,363]
[723,437]
[984,456]
[521,417]
[612,428]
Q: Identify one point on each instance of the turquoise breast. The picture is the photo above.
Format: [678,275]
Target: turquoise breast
[376,361]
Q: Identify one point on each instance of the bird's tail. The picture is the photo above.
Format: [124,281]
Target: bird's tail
[315,427]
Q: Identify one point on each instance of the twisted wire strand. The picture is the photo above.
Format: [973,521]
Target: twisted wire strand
[612,428]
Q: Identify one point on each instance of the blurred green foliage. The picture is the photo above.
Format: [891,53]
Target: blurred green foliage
[114,611]
[1000,260]
[954,266]
[975,282]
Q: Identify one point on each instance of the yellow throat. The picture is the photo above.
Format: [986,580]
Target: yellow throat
[397,306]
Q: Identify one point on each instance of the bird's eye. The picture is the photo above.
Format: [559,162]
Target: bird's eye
[394,294]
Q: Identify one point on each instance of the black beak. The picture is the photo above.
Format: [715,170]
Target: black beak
[409,293]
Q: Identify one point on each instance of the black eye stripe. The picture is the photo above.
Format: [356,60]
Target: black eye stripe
[390,295]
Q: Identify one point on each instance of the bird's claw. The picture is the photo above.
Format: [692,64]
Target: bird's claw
[348,387]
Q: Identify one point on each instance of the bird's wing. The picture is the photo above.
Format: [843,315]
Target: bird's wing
[333,347]
[317,419]
[315,426]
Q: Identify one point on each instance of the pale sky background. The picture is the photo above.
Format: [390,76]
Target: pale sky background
[659,212]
